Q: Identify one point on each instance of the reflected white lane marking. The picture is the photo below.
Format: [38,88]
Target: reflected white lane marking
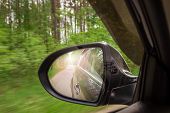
[100,81]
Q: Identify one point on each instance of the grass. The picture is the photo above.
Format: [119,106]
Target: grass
[30,97]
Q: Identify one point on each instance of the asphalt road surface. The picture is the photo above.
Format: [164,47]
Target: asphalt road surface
[61,82]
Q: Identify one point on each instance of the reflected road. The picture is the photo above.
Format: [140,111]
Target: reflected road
[62,81]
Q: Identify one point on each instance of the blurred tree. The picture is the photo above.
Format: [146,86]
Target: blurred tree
[27,28]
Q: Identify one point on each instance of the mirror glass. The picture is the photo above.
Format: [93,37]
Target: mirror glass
[78,74]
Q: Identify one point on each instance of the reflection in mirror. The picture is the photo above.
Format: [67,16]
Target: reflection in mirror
[78,74]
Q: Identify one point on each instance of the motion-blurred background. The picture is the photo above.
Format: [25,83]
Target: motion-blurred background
[29,31]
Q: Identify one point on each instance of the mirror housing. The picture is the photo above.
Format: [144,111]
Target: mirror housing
[118,83]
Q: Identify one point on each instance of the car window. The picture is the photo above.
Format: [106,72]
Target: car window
[32,29]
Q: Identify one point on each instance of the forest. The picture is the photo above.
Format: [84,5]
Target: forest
[29,31]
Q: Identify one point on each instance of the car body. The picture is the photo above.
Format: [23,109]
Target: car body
[87,79]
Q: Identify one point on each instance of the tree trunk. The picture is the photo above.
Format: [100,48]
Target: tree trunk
[58,6]
[71,19]
[80,19]
[18,13]
[55,6]
[65,23]
[26,15]
[75,16]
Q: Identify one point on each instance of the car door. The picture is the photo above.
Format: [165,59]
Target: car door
[153,85]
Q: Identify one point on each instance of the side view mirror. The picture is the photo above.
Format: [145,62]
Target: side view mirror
[92,74]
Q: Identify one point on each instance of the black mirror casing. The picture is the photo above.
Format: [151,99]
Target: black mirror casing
[113,78]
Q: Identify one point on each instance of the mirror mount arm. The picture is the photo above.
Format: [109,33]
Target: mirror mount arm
[110,66]
[122,95]
[125,79]
[122,85]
